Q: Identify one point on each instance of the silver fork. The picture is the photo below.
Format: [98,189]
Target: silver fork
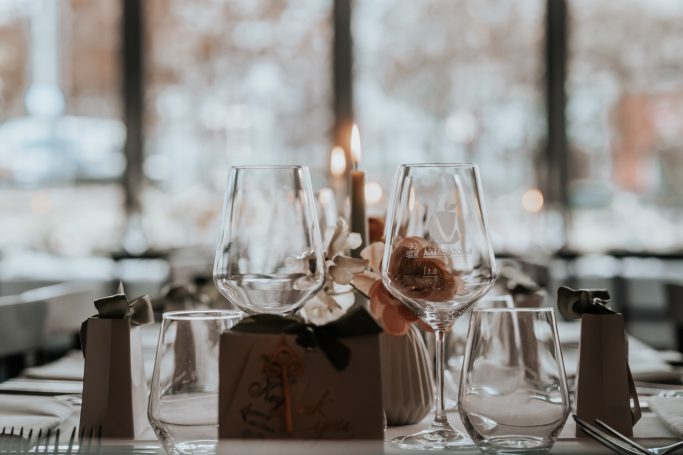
[81,441]
[613,443]
[87,435]
[12,440]
[653,451]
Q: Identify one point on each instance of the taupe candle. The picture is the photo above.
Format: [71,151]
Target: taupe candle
[359,221]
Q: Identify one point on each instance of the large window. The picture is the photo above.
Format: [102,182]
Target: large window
[230,82]
[625,87]
[61,134]
[253,81]
[446,81]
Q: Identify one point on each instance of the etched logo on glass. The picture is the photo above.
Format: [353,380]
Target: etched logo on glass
[443,226]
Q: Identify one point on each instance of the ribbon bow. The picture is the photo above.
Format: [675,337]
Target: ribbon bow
[138,311]
[573,303]
[355,322]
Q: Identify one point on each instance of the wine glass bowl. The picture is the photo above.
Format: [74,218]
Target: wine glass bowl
[270,255]
[439,257]
[438,261]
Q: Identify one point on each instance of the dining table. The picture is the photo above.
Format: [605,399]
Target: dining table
[62,381]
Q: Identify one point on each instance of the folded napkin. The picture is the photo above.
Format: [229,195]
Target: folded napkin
[670,411]
[646,363]
[68,368]
[32,412]
[32,386]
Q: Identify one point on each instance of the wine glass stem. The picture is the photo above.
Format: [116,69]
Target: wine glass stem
[440,418]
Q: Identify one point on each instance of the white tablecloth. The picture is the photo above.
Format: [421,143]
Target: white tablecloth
[650,431]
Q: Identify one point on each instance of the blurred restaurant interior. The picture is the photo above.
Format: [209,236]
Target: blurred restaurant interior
[119,121]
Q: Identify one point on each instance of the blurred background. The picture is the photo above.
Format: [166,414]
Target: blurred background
[119,121]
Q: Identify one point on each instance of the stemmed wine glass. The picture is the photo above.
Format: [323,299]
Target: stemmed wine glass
[270,255]
[438,261]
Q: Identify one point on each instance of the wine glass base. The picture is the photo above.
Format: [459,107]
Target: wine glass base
[435,438]
[202,447]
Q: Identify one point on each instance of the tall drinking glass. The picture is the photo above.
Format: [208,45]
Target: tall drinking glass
[183,401]
[513,389]
[438,261]
[270,255]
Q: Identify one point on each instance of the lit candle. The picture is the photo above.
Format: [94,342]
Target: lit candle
[337,180]
[359,222]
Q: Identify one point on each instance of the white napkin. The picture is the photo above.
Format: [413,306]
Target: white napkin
[32,412]
[645,362]
[670,411]
[68,368]
[71,366]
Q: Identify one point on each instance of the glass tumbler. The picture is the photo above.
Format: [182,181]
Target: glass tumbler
[183,402]
[513,389]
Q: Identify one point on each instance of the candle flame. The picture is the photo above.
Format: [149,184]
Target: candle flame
[337,162]
[355,144]
[325,196]
[373,192]
[532,200]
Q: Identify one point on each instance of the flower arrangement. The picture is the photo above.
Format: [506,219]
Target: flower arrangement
[407,379]
[344,275]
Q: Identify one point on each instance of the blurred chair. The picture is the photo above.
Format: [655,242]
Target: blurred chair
[21,332]
[188,263]
[142,276]
[68,304]
[524,281]
[43,320]
[674,300]
[21,325]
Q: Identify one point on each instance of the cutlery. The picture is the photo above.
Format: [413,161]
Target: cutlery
[654,450]
[615,444]
[671,394]
[12,440]
[83,441]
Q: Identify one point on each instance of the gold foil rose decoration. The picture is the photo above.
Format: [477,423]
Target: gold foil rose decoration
[394,317]
[418,270]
